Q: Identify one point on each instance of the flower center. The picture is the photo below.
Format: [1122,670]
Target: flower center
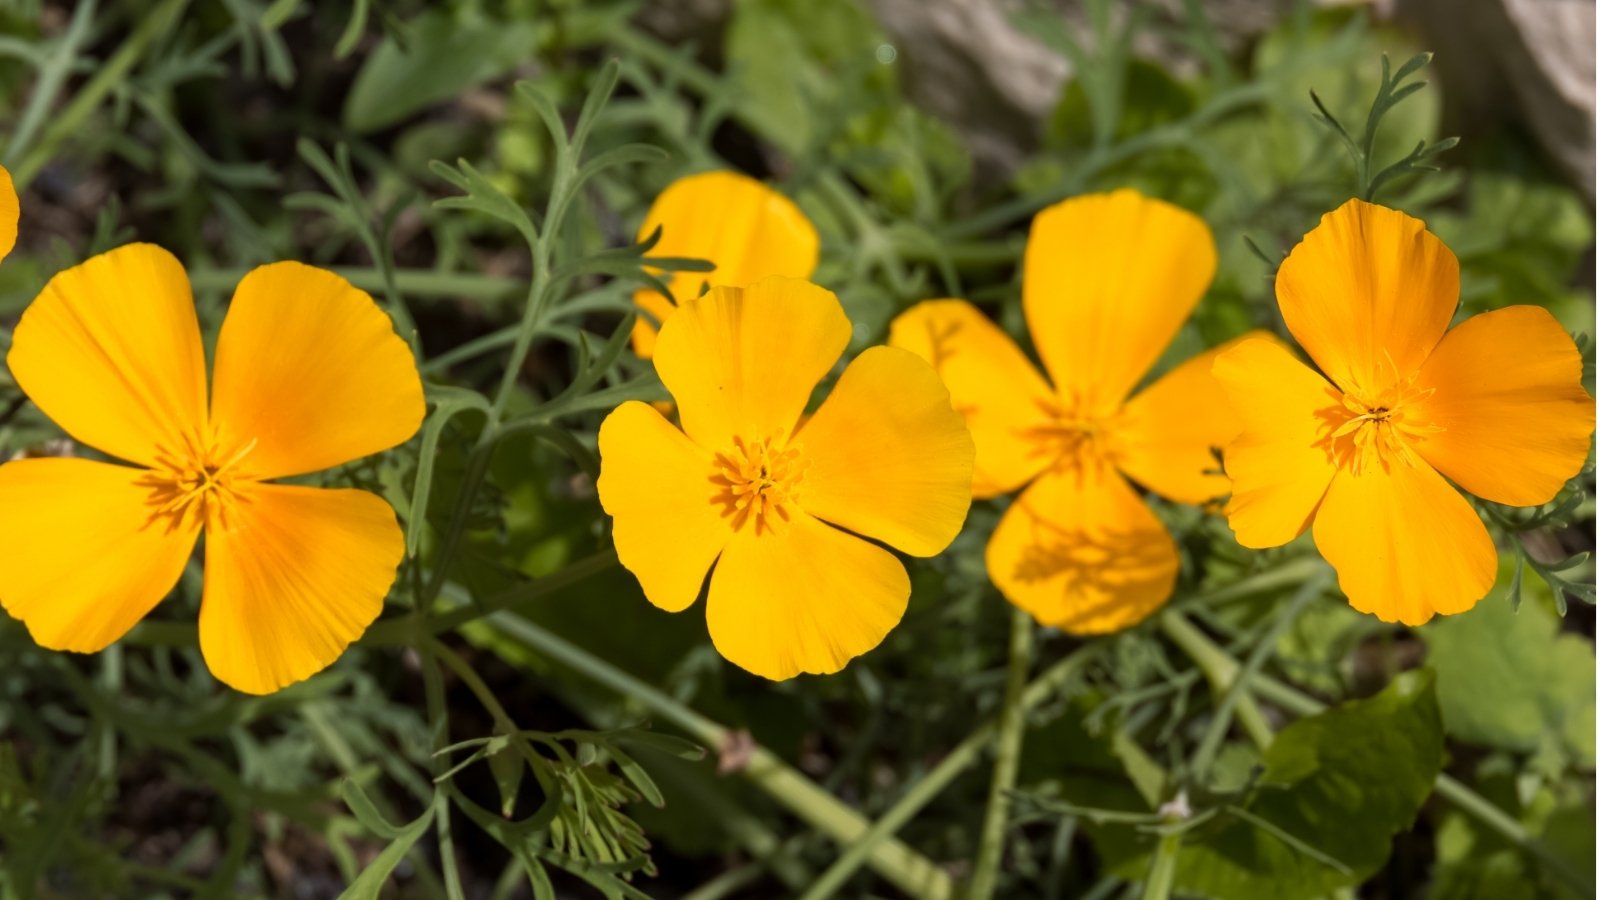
[759,481]
[200,483]
[1380,430]
[1072,441]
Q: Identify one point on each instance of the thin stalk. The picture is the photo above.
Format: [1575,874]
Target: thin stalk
[53,73]
[412,282]
[107,77]
[899,864]
[1008,750]
[1220,669]
[439,729]
[1163,867]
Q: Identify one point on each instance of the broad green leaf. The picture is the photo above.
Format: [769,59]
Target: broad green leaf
[1510,679]
[443,56]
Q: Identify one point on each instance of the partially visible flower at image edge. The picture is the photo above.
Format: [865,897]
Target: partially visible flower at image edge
[1361,451]
[783,511]
[1108,279]
[10,211]
[746,229]
[308,374]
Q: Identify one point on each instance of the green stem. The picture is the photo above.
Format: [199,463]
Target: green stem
[896,862]
[1163,867]
[53,73]
[107,77]
[411,282]
[1220,670]
[1008,750]
[439,728]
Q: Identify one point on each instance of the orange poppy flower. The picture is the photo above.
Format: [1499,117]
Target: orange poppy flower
[1360,452]
[309,374]
[783,511]
[745,228]
[1107,281]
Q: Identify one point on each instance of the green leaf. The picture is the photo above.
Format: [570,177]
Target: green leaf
[443,56]
[1340,783]
[1508,679]
[369,883]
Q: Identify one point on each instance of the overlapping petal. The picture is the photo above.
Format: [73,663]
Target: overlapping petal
[10,212]
[1405,543]
[310,374]
[1282,461]
[83,554]
[888,457]
[1171,434]
[1082,552]
[294,575]
[656,485]
[1507,391]
[807,598]
[111,351]
[743,227]
[1107,281]
[1368,293]
[743,361]
[991,383]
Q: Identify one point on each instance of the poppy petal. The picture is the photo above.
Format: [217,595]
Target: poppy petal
[1282,460]
[83,554]
[293,576]
[1508,394]
[1107,281]
[887,456]
[1171,434]
[310,374]
[743,227]
[807,598]
[991,383]
[10,212]
[1405,543]
[741,362]
[1368,293]
[1082,552]
[110,350]
[656,485]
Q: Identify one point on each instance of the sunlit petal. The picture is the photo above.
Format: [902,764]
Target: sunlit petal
[1509,398]
[1082,552]
[83,554]
[1406,545]
[309,374]
[991,383]
[806,598]
[741,362]
[656,485]
[746,229]
[10,212]
[110,350]
[1368,293]
[1281,462]
[1107,281]
[293,575]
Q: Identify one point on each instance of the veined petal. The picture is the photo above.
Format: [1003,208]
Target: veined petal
[310,374]
[888,458]
[1171,434]
[1406,545]
[83,555]
[1082,552]
[110,350]
[1282,460]
[1107,279]
[10,212]
[991,383]
[293,576]
[808,598]
[743,227]
[656,485]
[1368,293]
[1508,394]
[742,361]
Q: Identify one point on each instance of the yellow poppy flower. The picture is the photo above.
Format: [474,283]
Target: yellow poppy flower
[786,510]
[1107,281]
[10,211]
[309,374]
[746,229]
[1495,405]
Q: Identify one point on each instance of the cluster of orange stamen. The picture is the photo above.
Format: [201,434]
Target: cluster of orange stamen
[759,480]
[198,481]
[1382,427]
[1072,441]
